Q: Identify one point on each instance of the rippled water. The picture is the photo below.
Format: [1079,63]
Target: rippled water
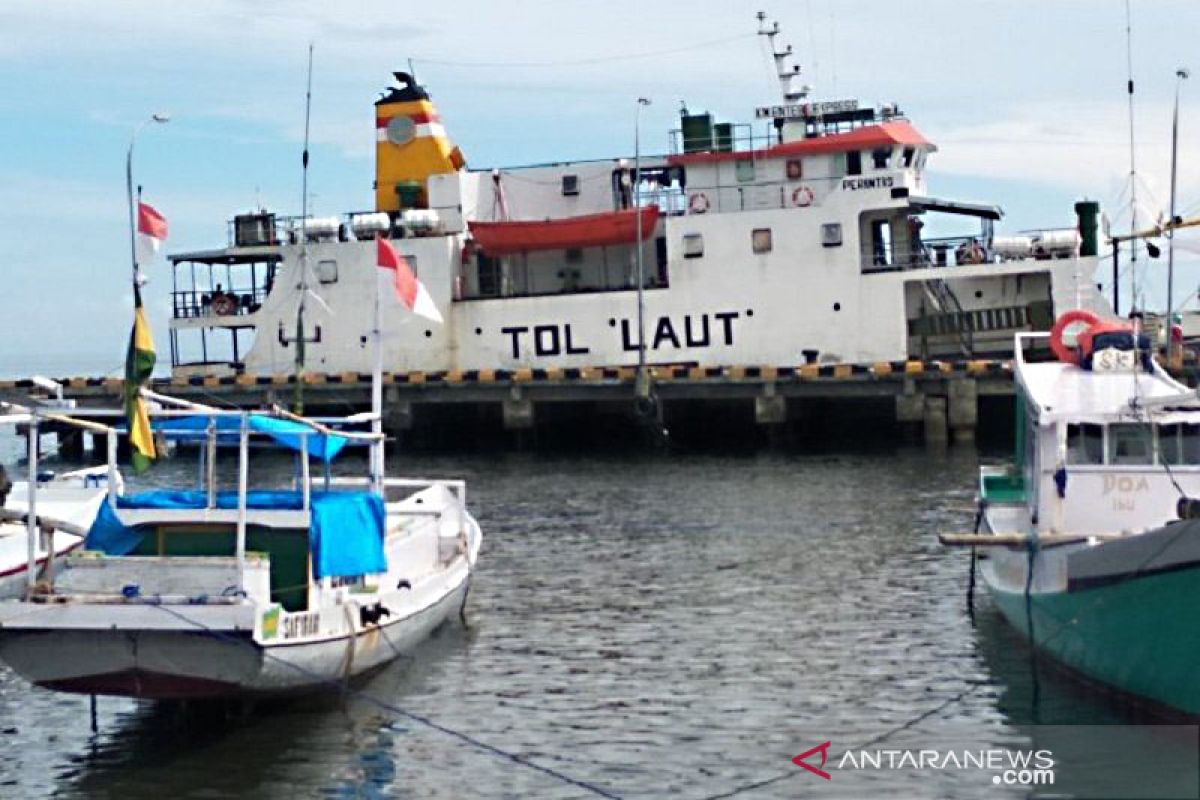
[658,626]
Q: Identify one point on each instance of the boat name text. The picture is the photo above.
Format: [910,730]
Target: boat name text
[853,184]
[296,626]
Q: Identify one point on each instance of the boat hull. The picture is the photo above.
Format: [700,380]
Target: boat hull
[208,660]
[1139,635]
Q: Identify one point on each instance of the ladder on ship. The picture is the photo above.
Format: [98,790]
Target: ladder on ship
[943,300]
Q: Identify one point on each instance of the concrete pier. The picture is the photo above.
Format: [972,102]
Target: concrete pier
[594,407]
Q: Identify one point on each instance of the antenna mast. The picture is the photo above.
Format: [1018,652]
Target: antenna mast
[1133,240]
[303,285]
[786,70]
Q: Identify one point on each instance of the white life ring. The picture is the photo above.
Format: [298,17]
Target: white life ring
[803,197]
[698,203]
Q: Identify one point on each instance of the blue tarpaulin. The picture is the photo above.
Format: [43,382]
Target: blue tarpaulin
[285,431]
[345,537]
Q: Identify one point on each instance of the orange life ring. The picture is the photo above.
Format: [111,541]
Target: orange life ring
[698,203]
[224,305]
[803,197]
[1072,317]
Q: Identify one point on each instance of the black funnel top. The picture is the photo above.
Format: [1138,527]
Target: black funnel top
[407,90]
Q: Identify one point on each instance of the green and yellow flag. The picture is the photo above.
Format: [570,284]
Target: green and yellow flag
[139,364]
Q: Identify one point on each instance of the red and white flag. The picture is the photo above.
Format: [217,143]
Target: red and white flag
[152,232]
[412,292]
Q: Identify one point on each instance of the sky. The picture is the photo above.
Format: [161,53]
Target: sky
[1024,98]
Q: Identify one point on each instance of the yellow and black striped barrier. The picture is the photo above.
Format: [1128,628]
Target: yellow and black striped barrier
[679,373]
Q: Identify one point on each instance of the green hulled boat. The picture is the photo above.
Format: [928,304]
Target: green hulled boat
[1090,541]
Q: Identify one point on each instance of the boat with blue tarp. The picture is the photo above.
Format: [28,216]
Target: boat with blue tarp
[208,591]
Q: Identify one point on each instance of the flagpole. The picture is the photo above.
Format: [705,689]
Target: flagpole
[377,451]
[160,119]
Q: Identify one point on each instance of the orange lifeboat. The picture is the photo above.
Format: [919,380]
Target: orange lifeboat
[589,230]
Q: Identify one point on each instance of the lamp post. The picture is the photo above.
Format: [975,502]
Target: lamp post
[641,279]
[160,119]
[1181,75]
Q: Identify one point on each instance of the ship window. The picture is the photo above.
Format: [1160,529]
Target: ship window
[831,234]
[854,163]
[570,185]
[327,271]
[1130,443]
[745,170]
[573,255]
[1085,444]
[909,152]
[693,245]
[1179,444]
[880,157]
[795,169]
[760,240]
[489,276]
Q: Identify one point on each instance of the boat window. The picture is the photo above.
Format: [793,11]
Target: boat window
[489,276]
[909,152]
[1085,444]
[1130,443]
[745,170]
[880,157]
[693,245]
[854,162]
[760,240]
[831,234]
[1179,444]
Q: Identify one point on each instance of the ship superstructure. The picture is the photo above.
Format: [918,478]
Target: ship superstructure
[794,239]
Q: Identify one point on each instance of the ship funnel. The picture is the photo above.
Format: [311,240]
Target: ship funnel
[410,146]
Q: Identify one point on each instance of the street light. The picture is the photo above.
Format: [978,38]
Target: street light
[1181,75]
[159,118]
[641,280]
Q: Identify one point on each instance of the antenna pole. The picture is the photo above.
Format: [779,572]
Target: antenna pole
[1181,75]
[1133,242]
[303,286]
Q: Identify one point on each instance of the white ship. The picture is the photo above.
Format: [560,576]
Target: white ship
[794,239]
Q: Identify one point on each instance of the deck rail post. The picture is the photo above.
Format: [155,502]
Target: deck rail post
[31,526]
[243,475]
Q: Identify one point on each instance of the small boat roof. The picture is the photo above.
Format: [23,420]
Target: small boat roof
[1068,392]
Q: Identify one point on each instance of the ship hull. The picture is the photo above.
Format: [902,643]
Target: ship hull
[198,655]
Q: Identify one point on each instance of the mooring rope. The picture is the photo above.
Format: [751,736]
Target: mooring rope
[395,709]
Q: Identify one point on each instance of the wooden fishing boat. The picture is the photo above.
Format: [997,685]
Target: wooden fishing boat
[1091,538]
[202,591]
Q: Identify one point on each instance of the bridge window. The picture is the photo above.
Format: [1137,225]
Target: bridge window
[1179,444]
[909,153]
[745,170]
[854,162]
[1130,443]
[1085,444]
[880,157]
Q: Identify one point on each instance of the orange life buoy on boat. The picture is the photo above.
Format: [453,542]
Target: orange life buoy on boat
[803,197]
[1073,317]
[224,305]
[698,203]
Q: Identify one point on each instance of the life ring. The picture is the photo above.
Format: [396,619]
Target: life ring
[803,197]
[224,305]
[698,203]
[1075,316]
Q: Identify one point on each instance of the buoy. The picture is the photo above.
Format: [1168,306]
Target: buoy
[1075,316]
[803,197]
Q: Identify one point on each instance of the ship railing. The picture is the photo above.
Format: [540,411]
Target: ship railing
[196,303]
[950,251]
[758,195]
